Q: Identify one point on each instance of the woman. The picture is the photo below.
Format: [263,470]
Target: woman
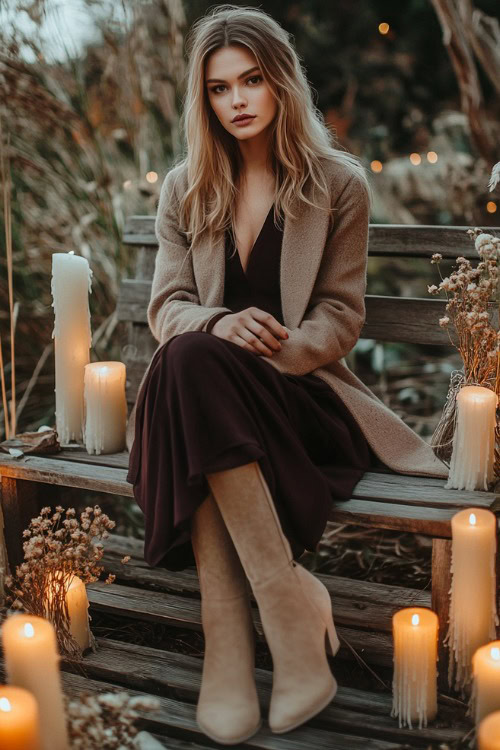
[248,423]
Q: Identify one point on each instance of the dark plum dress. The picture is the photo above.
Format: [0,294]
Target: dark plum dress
[207,404]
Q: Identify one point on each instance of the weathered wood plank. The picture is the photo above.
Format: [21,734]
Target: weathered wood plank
[390,505]
[182,611]
[429,521]
[186,581]
[20,503]
[177,720]
[394,240]
[67,474]
[404,319]
[441,584]
[159,671]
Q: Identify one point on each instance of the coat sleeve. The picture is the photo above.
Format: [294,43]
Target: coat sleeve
[174,306]
[336,311]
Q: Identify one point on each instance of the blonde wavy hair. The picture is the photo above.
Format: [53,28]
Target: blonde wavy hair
[299,140]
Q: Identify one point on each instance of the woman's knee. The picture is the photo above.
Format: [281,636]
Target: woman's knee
[192,344]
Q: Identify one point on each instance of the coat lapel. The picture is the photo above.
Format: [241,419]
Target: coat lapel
[304,239]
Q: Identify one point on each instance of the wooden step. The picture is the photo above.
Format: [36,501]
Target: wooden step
[177,676]
[182,611]
[176,720]
[363,610]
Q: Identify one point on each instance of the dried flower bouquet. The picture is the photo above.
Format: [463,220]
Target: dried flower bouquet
[55,550]
[470,321]
[106,721]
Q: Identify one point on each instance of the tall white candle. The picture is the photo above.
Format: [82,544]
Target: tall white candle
[78,604]
[105,407]
[486,690]
[489,732]
[473,613]
[32,662]
[415,635]
[472,459]
[71,284]
[19,719]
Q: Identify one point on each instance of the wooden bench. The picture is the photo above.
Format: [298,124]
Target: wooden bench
[382,499]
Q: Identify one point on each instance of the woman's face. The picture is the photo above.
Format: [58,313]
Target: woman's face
[235,85]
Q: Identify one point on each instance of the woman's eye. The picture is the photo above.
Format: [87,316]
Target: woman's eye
[221,85]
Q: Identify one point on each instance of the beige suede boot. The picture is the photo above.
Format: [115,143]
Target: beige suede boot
[228,707]
[295,607]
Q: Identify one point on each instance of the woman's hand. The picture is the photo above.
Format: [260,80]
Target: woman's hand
[253,329]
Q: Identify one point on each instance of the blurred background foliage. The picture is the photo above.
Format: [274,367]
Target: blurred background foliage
[91,134]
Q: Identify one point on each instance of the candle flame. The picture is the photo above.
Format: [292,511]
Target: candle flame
[495,653]
[5,704]
[415,620]
[29,630]
[472,519]
[71,252]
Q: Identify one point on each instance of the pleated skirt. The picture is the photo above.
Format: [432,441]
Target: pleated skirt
[206,405]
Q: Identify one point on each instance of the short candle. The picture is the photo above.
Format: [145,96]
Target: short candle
[105,407]
[486,670]
[415,635]
[32,662]
[472,459]
[78,604]
[19,719]
[473,614]
[488,735]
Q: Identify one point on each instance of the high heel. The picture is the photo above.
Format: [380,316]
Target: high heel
[294,606]
[320,598]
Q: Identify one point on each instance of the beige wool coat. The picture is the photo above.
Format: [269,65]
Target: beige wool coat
[323,283]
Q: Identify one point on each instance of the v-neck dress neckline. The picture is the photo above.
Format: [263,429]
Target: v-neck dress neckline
[259,285]
[257,239]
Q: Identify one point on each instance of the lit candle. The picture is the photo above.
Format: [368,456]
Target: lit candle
[105,407]
[71,284]
[415,635]
[19,719]
[486,688]
[78,604]
[473,615]
[489,732]
[472,459]
[32,662]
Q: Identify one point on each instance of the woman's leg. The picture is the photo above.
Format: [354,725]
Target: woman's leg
[228,707]
[295,607]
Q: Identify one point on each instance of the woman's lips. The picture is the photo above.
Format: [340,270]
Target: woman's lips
[245,121]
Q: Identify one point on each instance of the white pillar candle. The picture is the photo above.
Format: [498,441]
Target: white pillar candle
[486,689]
[473,613]
[105,407]
[19,719]
[78,604]
[32,662]
[489,732]
[472,459]
[415,635]
[71,284]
